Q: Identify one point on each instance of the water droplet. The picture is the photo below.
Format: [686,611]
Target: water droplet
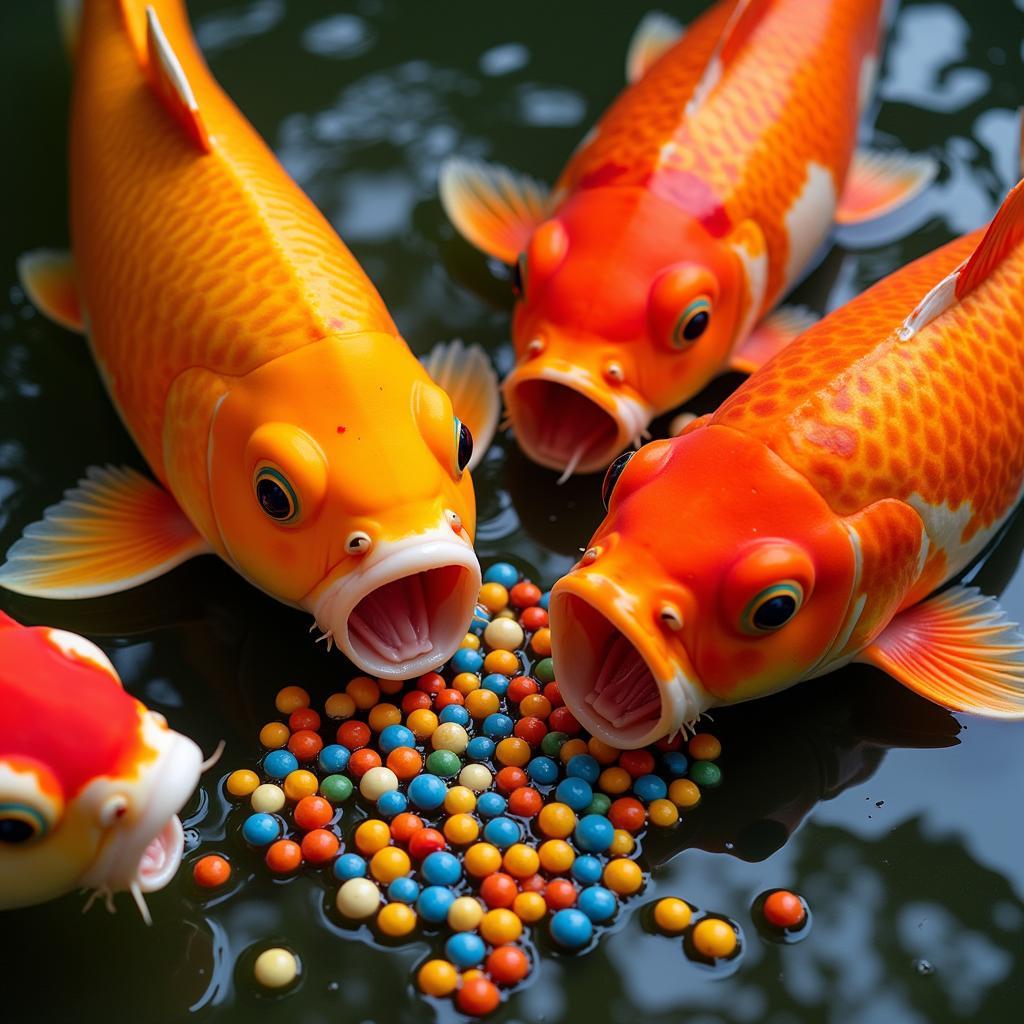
[924,967]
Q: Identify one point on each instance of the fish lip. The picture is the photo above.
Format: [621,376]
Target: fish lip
[436,548]
[169,782]
[629,412]
[683,698]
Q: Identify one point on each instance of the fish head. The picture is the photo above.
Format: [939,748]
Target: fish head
[91,782]
[627,305]
[339,485]
[718,575]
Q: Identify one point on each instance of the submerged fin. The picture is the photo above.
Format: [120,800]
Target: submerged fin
[48,277]
[171,85]
[114,531]
[878,183]
[744,19]
[772,335]
[493,208]
[465,372]
[1004,234]
[655,34]
[956,649]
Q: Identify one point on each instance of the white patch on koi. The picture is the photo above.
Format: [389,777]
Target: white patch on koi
[809,218]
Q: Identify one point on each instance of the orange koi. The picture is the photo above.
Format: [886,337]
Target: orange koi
[700,197]
[255,365]
[804,524]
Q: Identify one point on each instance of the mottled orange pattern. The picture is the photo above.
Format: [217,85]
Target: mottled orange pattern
[217,261]
[745,151]
[933,420]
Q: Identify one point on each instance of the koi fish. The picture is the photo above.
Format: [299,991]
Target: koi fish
[292,430]
[91,782]
[804,524]
[701,196]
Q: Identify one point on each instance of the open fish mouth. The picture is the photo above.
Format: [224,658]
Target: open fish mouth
[407,609]
[570,423]
[162,856]
[609,678]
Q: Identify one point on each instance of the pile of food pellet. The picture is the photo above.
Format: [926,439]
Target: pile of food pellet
[470,806]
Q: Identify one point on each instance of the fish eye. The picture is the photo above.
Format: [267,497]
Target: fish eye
[692,322]
[275,495]
[519,276]
[772,608]
[21,823]
[611,478]
[463,446]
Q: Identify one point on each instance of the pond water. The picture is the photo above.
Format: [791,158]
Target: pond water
[901,824]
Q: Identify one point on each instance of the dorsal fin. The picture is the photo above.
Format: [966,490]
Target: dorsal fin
[745,17]
[170,84]
[1004,234]
[655,34]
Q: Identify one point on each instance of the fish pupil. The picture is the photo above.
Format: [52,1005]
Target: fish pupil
[696,325]
[273,499]
[775,612]
[465,452]
[15,830]
[611,478]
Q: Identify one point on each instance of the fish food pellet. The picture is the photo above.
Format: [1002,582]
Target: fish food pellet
[275,968]
[358,899]
[484,809]
[704,747]
[705,773]
[672,915]
[478,997]
[242,782]
[438,978]
[714,938]
[211,872]
[268,798]
[784,909]
[290,699]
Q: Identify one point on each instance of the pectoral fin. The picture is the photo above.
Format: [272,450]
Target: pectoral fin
[114,531]
[879,183]
[48,277]
[465,372]
[493,208]
[957,649]
[771,335]
[655,34]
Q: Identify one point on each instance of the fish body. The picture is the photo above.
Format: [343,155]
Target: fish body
[695,203]
[291,428]
[804,524]
[91,781]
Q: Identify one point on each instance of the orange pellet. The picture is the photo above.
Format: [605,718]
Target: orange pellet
[627,813]
[362,761]
[404,825]
[507,965]
[405,762]
[525,802]
[284,856]
[211,871]
[535,705]
[312,812]
[320,846]
[305,744]
[540,643]
[477,997]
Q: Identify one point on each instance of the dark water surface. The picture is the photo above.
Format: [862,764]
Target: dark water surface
[901,824]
